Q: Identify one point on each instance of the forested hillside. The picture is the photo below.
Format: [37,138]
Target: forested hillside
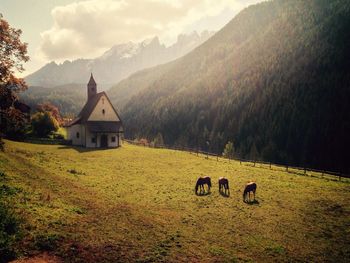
[69,99]
[275,80]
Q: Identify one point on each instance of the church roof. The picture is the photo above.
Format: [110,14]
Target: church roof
[92,81]
[89,107]
[103,126]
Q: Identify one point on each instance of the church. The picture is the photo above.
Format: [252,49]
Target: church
[98,125]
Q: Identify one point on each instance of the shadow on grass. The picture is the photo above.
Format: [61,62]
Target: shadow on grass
[83,149]
[203,193]
[253,202]
[224,193]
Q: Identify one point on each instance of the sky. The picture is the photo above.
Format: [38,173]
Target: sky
[59,30]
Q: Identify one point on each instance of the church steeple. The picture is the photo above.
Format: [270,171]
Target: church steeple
[92,87]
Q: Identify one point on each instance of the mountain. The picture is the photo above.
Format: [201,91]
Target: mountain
[117,63]
[275,81]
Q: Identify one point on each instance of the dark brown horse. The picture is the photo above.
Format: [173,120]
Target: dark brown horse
[250,187]
[201,182]
[223,185]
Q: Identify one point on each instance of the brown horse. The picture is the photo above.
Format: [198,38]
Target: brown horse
[201,182]
[223,185]
[250,187]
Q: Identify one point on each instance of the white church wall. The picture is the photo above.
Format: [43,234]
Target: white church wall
[90,143]
[110,142]
[96,143]
[76,134]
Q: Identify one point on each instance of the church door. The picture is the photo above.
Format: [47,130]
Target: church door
[104,141]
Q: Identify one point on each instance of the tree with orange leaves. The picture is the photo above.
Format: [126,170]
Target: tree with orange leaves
[13,53]
[48,107]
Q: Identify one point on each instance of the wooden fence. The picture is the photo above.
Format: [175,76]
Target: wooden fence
[253,163]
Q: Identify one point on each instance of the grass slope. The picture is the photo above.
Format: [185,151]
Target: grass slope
[138,204]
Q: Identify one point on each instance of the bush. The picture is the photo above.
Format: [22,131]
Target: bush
[43,123]
[58,136]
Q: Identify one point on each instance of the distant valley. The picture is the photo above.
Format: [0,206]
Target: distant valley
[274,81]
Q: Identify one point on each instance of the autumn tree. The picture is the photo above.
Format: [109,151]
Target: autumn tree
[158,140]
[13,53]
[48,107]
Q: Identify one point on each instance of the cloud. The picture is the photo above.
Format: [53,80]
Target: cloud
[87,28]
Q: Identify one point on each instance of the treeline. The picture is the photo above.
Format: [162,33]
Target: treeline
[275,81]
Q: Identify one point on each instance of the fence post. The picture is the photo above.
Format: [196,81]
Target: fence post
[270,165]
[304,170]
[240,161]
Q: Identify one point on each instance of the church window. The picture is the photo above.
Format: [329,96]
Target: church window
[103,111]
[93,139]
[78,135]
[113,138]
[103,101]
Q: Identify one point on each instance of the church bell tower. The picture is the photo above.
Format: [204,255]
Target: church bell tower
[91,86]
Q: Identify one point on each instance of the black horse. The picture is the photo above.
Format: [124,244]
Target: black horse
[250,187]
[201,182]
[223,185]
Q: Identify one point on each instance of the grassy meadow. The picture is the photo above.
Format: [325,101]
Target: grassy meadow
[136,204]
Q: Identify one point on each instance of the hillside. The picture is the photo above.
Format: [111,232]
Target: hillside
[136,204]
[69,98]
[116,63]
[275,79]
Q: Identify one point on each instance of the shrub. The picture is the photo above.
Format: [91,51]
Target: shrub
[43,123]
[58,136]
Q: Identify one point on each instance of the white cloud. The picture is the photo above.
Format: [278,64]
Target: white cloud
[87,28]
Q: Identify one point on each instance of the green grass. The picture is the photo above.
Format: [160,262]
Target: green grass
[136,204]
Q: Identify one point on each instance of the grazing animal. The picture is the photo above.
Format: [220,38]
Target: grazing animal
[201,182]
[250,187]
[223,184]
